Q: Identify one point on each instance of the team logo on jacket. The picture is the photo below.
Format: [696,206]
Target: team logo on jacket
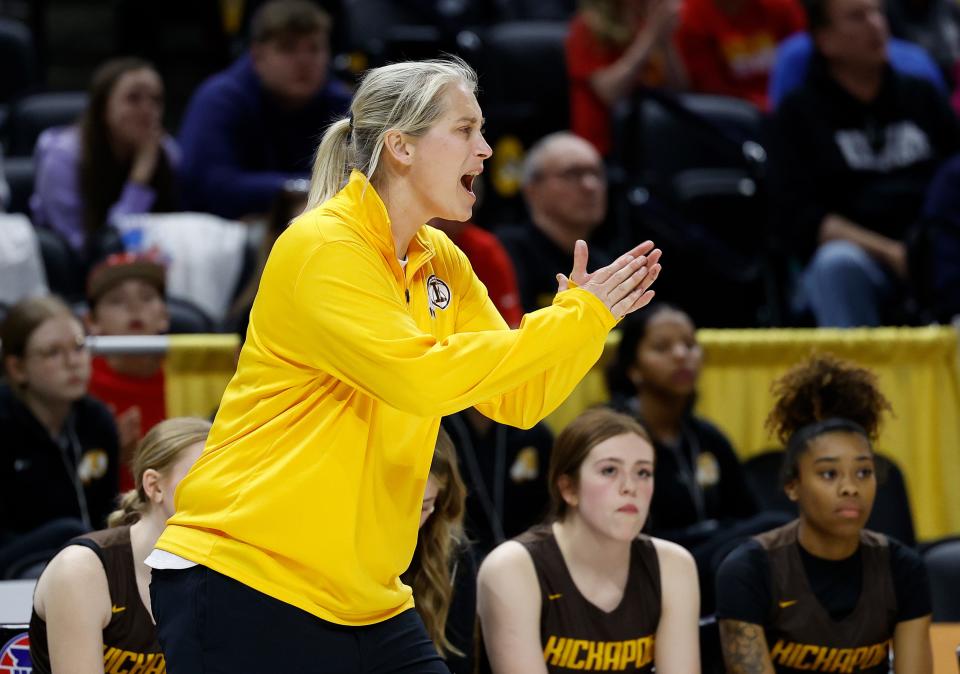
[15,656]
[438,294]
[93,466]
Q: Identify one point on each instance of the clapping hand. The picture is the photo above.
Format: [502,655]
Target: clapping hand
[624,285]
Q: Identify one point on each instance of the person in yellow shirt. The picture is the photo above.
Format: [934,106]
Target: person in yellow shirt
[294,526]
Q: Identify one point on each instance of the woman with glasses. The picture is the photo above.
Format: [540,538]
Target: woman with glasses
[58,472]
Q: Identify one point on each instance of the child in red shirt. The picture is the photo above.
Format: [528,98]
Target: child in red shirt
[126,297]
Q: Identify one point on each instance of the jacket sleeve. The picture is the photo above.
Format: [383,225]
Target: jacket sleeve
[347,304]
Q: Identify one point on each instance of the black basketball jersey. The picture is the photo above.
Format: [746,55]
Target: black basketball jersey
[802,636]
[130,638]
[575,634]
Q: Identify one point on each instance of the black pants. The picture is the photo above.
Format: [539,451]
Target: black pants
[209,623]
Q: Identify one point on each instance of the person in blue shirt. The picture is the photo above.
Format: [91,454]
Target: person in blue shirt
[251,128]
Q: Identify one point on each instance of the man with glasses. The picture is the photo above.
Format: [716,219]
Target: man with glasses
[565,189]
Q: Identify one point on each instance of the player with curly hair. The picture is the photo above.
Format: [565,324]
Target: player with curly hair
[822,593]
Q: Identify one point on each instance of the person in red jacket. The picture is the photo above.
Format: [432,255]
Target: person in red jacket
[729,46]
[614,46]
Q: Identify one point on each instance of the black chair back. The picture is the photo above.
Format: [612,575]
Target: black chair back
[711,651]
[19,172]
[689,171]
[63,267]
[524,96]
[31,115]
[524,79]
[942,559]
[17,56]
[543,10]
[187,318]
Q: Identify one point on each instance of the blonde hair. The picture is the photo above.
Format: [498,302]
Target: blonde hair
[406,97]
[431,573]
[159,450]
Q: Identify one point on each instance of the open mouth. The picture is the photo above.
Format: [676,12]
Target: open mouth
[467,182]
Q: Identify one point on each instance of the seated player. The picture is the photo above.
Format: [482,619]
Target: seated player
[823,594]
[91,609]
[585,590]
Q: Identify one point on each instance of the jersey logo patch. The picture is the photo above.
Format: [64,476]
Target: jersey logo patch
[438,294]
[15,655]
[787,604]
[527,465]
[117,609]
[93,466]
[551,597]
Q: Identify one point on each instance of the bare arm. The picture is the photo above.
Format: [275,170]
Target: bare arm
[745,648]
[73,599]
[912,653]
[678,633]
[508,605]
[676,70]
[616,80]
[889,251]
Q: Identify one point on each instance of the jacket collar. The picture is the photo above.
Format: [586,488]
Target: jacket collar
[373,222]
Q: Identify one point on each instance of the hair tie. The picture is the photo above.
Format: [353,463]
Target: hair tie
[350,121]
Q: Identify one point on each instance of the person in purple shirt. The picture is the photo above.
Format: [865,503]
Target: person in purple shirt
[251,128]
[118,160]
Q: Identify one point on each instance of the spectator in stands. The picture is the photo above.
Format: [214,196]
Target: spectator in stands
[822,589]
[59,468]
[443,573]
[506,473]
[91,608]
[126,297]
[586,587]
[251,128]
[565,189]
[729,46]
[117,161]
[854,150]
[795,53]
[613,47]
[490,262]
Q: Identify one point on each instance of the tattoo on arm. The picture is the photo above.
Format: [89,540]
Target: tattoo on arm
[744,648]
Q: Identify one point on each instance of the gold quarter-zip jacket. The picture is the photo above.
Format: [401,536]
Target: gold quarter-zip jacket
[310,486]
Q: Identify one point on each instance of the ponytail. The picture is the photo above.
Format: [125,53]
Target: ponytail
[129,511]
[159,450]
[406,97]
[330,165]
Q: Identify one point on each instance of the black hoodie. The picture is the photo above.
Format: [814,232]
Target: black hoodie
[43,478]
[869,162]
